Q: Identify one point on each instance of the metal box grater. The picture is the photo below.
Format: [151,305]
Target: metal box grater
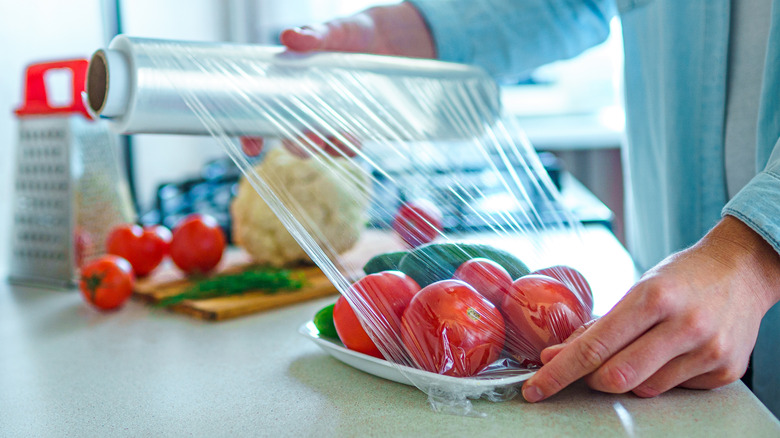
[68,190]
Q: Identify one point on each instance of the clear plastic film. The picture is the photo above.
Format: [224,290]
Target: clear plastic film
[460,279]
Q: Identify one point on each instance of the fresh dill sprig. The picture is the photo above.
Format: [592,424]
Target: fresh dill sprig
[259,279]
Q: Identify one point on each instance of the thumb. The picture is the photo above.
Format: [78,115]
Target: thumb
[550,352]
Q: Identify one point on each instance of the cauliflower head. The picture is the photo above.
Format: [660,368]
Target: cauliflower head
[329,201]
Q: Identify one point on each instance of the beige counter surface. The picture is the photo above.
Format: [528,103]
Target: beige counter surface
[67,370]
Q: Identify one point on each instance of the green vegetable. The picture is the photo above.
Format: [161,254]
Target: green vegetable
[384,262]
[323,320]
[266,279]
[438,261]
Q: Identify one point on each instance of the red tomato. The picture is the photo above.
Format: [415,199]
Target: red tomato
[252,146]
[418,222]
[198,244]
[107,282]
[386,295]
[540,311]
[573,279]
[344,145]
[144,247]
[350,331]
[487,277]
[449,328]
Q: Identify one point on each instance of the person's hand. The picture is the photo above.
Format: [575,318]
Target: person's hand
[386,30]
[691,321]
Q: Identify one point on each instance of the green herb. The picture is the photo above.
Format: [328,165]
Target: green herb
[265,279]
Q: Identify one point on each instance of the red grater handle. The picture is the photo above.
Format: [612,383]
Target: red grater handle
[36,101]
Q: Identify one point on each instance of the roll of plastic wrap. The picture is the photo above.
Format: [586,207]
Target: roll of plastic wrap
[147,86]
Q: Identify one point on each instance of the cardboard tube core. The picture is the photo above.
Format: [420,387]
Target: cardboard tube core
[108,85]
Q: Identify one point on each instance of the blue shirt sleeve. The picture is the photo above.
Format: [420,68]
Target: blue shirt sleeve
[758,203]
[510,38]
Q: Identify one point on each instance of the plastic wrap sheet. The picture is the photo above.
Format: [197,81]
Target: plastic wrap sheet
[388,132]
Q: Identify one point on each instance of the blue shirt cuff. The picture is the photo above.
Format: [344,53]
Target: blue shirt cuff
[447,30]
[758,205]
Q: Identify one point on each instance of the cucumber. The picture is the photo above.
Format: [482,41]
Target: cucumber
[438,261]
[384,262]
[323,320]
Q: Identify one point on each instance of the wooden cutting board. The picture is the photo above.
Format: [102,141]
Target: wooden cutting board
[167,280]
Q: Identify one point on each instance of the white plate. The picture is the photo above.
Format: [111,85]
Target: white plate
[411,376]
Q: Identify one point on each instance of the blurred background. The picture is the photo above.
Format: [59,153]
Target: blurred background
[569,108]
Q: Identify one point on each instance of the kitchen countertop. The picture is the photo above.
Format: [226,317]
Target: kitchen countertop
[68,370]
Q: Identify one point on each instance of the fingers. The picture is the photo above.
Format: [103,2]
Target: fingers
[643,358]
[303,39]
[694,348]
[593,348]
[553,350]
[342,144]
[351,34]
[686,349]
[726,364]
[692,371]
[398,30]
[550,352]
[715,379]
[691,321]
[677,371]
[581,357]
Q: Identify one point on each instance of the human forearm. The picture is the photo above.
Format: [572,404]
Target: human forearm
[740,249]
[755,224]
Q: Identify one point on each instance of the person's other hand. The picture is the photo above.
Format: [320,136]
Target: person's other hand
[691,321]
[385,30]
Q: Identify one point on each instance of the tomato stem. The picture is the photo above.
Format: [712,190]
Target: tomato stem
[92,282]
